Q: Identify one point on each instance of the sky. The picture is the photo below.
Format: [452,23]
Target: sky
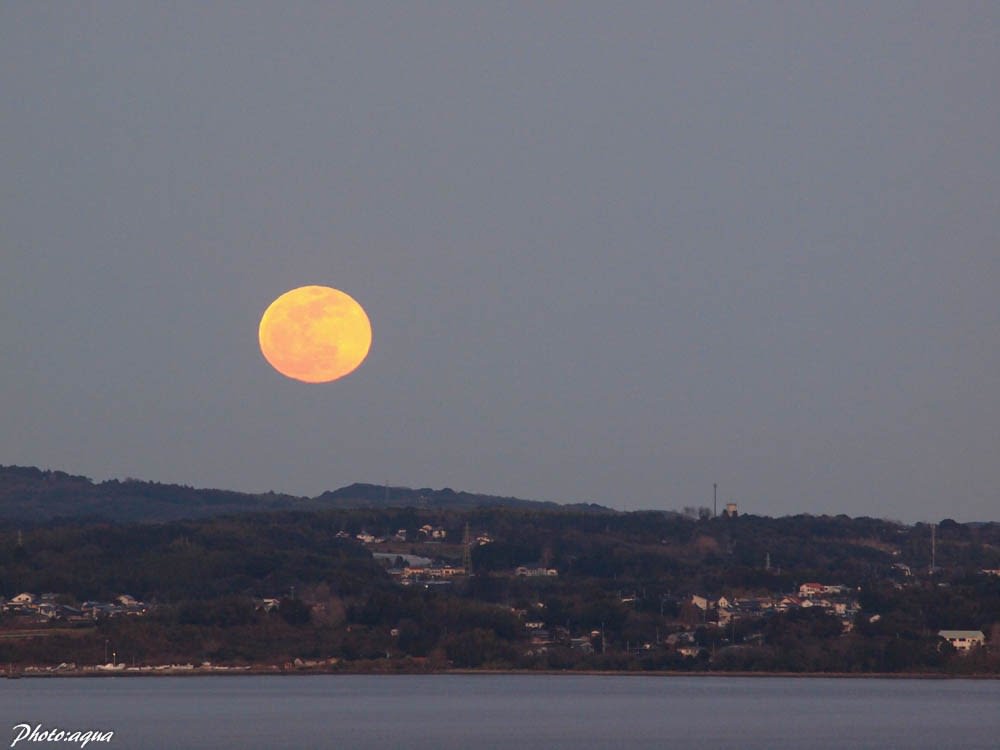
[611,253]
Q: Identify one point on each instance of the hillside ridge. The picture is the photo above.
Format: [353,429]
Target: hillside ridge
[33,495]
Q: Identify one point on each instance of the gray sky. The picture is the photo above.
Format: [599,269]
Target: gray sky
[610,252]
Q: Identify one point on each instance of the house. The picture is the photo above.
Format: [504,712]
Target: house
[582,644]
[532,571]
[811,589]
[540,637]
[963,640]
[98,609]
[821,603]
[131,605]
[433,532]
[683,638]
[753,607]
[72,614]
[47,611]
[442,571]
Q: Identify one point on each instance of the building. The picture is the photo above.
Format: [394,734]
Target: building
[700,602]
[963,640]
[811,589]
[533,571]
[582,644]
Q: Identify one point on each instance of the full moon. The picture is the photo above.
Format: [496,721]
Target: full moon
[315,334]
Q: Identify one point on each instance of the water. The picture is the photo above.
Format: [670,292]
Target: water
[508,711]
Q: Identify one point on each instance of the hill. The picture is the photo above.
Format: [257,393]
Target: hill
[29,494]
[389,589]
[380,496]
[32,495]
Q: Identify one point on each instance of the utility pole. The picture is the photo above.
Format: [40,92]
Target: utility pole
[467,550]
[715,500]
[933,548]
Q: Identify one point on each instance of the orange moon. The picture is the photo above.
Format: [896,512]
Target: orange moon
[315,334]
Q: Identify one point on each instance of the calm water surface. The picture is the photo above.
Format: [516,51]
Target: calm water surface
[508,711]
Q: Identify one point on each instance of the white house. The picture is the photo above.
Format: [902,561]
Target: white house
[533,571]
[963,640]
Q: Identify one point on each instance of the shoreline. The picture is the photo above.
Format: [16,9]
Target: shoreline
[276,671]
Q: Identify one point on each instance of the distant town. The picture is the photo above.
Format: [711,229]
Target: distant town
[380,588]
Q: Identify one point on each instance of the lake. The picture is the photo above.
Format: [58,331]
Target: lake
[440,712]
